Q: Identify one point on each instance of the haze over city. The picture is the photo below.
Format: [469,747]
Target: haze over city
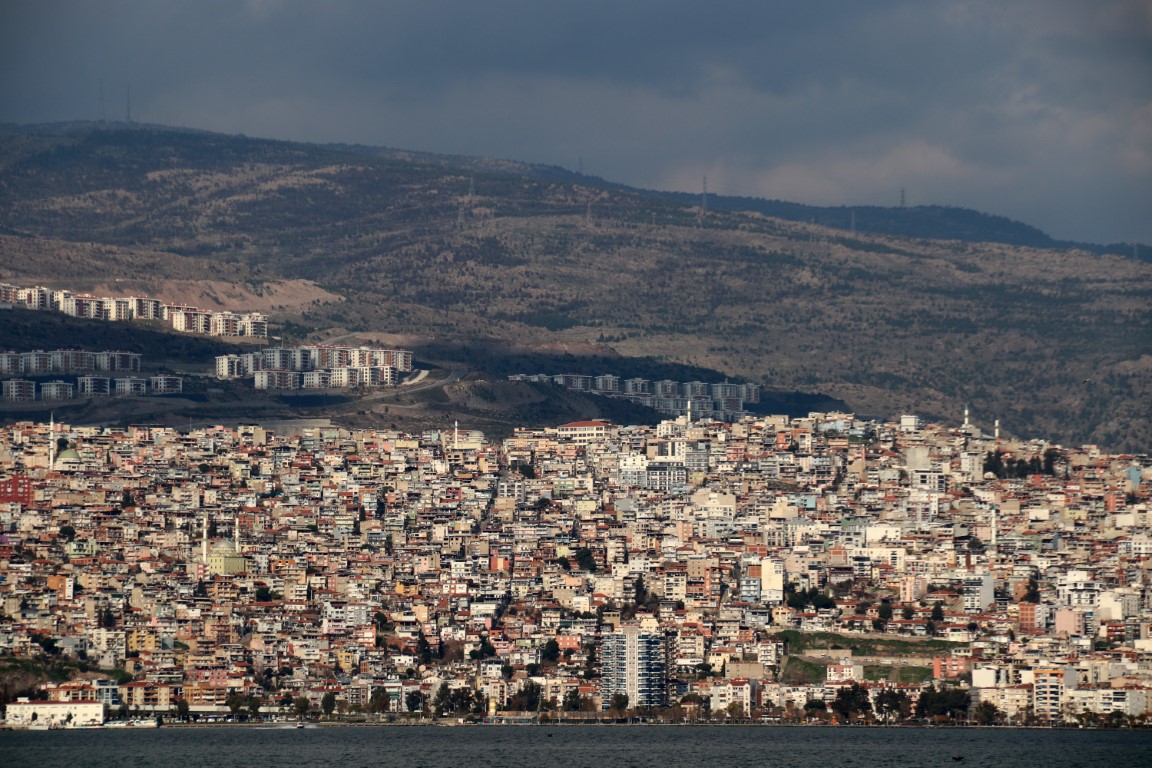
[1035,109]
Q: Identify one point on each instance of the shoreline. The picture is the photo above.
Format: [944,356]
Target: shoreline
[314,725]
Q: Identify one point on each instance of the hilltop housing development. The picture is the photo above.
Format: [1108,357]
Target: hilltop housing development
[777,568]
[317,367]
[185,319]
[86,381]
[721,400]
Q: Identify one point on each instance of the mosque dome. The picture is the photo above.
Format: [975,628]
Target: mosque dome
[68,456]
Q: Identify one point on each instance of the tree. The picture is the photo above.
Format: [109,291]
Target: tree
[851,701]
[461,700]
[618,703]
[529,698]
[328,703]
[885,611]
[987,713]
[586,560]
[423,649]
[414,701]
[893,704]
[378,701]
[253,704]
[590,661]
[550,654]
[67,532]
[572,700]
[443,699]
[1032,593]
[803,598]
[937,611]
[816,708]
[641,591]
[301,705]
[182,709]
[942,702]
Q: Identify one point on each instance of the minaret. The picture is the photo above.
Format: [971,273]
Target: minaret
[689,410]
[995,531]
[52,442]
[236,532]
[996,430]
[456,436]
[204,541]
[967,423]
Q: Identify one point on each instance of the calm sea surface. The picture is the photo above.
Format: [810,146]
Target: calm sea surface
[578,747]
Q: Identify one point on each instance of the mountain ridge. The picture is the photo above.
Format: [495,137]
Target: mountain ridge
[1052,341]
[935,221]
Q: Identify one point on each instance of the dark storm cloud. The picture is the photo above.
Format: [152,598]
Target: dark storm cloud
[1037,109]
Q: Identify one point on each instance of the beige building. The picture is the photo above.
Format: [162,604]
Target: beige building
[225,561]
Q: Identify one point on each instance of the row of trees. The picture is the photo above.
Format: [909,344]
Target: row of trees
[1001,467]
[940,704]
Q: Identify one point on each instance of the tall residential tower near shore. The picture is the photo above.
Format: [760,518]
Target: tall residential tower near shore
[635,666]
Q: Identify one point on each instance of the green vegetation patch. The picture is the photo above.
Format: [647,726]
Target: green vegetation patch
[799,671]
[799,642]
[886,673]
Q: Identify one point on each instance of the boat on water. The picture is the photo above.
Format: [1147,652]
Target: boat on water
[131,724]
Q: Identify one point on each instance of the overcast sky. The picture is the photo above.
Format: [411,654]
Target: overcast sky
[1040,110]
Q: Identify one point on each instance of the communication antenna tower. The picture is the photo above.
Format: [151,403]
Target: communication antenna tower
[703,203]
[101,99]
[128,103]
[901,197]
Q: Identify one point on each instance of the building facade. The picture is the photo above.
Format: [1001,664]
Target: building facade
[635,665]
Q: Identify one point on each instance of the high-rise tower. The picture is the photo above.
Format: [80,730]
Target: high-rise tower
[635,665]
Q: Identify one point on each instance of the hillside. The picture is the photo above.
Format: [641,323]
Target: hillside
[1053,341]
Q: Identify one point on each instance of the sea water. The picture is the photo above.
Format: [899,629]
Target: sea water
[546,746]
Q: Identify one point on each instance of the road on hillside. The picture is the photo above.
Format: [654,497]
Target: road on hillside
[453,376]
